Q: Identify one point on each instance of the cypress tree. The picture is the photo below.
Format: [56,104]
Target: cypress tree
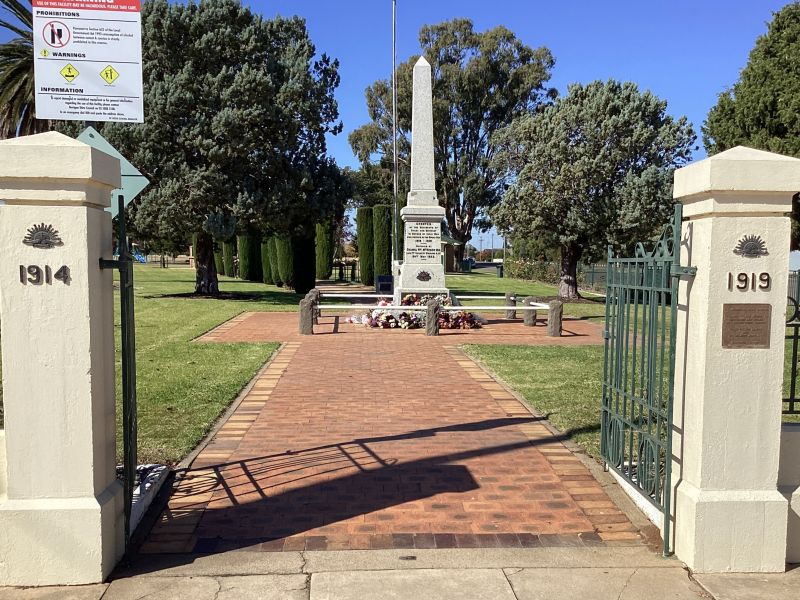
[219,262]
[245,253]
[273,261]
[266,270]
[228,252]
[256,272]
[249,257]
[304,261]
[382,238]
[366,265]
[324,249]
[285,260]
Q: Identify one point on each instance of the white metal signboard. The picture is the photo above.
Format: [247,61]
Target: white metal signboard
[88,60]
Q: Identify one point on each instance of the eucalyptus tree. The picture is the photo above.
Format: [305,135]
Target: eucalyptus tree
[481,82]
[17,102]
[593,169]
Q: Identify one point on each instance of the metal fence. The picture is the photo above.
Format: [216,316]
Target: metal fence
[593,277]
[791,399]
[346,272]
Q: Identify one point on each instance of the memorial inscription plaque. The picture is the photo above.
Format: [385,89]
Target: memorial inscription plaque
[746,325]
[423,242]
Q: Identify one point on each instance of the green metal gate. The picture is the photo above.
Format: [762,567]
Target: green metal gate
[639,364]
[124,264]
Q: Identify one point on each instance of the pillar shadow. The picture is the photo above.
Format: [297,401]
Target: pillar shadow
[266,498]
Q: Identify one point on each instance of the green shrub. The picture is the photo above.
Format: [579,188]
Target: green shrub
[266,269]
[285,260]
[219,261]
[273,261]
[228,252]
[533,270]
[382,239]
[324,249]
[304,261]
[366,265]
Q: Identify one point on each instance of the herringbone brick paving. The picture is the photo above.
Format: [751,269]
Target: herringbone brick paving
[382,441]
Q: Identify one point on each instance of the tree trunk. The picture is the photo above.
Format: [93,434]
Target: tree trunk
[206,282]
[568,285]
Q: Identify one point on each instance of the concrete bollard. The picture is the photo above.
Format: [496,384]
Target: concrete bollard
[307,316]
[314,296]
[511,300]
[554,318]
[432,317]
[529,316]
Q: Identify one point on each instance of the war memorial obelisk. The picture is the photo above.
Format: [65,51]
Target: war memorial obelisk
[421,271]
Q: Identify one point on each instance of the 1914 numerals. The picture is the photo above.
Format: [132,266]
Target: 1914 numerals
[36,275]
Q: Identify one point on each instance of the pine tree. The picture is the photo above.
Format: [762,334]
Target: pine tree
[238,107]
[610,185]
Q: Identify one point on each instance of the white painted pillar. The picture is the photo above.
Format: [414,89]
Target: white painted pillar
[61,509]
[728,513]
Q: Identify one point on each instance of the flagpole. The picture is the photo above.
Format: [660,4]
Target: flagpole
[395,215]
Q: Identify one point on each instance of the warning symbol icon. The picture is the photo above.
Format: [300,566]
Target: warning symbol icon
[69,72]
[109,74]
[44,53]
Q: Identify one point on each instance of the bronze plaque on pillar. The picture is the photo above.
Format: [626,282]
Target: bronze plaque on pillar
[746,325]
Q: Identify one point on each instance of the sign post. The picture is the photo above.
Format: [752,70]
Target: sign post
[88,60]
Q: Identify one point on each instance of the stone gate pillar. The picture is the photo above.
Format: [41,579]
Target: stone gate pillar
[728,513]
[61,506]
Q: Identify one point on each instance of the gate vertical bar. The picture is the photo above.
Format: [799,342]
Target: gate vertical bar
[128,335]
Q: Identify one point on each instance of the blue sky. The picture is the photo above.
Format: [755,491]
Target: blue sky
[685,51]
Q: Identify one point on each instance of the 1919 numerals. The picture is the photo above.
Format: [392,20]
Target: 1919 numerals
[36,275]
[749,281]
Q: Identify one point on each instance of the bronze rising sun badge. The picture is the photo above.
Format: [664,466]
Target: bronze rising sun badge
[751,246]
[42,236]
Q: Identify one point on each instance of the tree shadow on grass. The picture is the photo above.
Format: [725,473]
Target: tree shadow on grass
[267,297]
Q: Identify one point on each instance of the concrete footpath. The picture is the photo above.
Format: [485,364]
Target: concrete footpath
[625,573]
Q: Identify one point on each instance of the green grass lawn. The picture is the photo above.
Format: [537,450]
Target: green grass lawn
[561,382]
[183,387]
[485,281]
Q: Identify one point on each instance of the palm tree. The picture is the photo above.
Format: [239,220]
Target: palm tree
[16,73]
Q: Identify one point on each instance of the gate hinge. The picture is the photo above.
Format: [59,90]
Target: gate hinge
[109,264]
[678,271]
[606,335]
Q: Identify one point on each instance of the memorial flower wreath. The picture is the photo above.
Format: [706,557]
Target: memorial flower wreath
[397,319]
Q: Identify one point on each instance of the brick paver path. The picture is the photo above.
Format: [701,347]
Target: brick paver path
[381,440]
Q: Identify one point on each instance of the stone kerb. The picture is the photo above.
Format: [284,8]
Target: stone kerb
[60,516]
[728,513]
